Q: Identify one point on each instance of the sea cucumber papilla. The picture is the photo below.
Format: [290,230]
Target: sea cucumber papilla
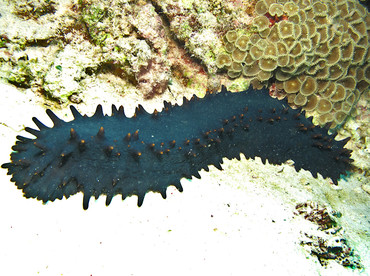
[148,152]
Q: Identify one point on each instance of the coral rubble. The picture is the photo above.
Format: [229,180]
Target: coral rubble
[329,242]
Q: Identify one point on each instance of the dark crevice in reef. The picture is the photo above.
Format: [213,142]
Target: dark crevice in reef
[366,4]
[42,42]
[49,96]
[116,70]
[90,71]
[24,84]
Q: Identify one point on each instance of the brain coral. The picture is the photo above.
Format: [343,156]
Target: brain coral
[315,51]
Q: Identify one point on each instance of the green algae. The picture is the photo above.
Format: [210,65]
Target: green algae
[93,16]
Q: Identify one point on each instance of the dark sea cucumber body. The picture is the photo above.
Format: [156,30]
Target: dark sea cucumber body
[130,156]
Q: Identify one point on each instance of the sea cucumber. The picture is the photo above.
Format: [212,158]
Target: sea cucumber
[130,156]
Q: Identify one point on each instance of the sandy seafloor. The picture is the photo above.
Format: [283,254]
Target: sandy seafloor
[239,221]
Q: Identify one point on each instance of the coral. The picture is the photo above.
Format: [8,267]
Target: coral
[131,45]
[122,43]
[197,25]
[315,51]
[151,47]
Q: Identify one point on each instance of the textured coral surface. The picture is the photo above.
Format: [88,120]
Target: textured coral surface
[315,51]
